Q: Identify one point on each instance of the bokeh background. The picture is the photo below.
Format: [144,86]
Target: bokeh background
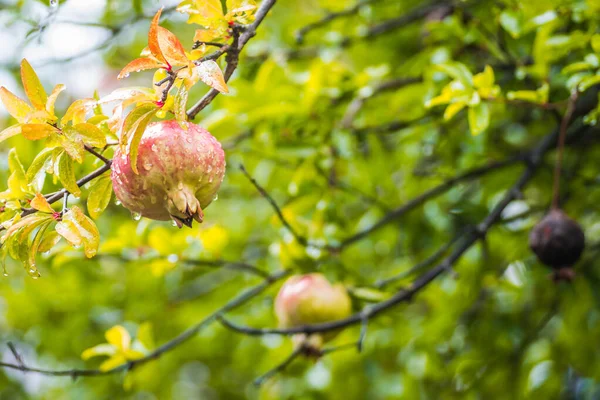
[499,329]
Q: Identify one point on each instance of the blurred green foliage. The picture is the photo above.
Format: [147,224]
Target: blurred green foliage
[500,329]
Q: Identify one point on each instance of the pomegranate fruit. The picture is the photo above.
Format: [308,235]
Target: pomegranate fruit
[180,172]
[311,299]
[558,242]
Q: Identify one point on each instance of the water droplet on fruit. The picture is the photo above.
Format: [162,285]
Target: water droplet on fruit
[139,70]
[174,223]
[136,216]
[180,186]
[53,3]
[147,165]
[117,202]
[216,197]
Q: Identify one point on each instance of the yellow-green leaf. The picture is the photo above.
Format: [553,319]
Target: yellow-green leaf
[36,173]
[90,134]
[118,337]
[37,131]
[40,203]
[33,87]
[15,106]
[52,98]
[210,73]
[77,111]
[66,174]
[134,127]
[453,109]
[88,231]
[180,104]
[99,195]
[10,132]
[49,241]
[103,349]
[113,362]
[69,231]
[72,144]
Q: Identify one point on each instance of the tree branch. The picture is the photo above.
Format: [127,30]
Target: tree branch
[237,301]
[534,160]
[233,54]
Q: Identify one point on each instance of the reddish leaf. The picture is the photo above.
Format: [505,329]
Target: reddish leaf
[171,47]
[153,42]
[139,64]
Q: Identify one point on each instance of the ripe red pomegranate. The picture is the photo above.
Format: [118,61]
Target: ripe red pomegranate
[558,242]
[180,172]
[311,299]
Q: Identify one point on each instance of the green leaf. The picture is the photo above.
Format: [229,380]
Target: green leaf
[577,67]
[33,87]
[479,118]
[66,174]
[595,42]
[99,195]
[588,82]
[511,22]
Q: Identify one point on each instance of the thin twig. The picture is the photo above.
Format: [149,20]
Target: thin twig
[560,147]
[98,155]
[301,33]
[279,367]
